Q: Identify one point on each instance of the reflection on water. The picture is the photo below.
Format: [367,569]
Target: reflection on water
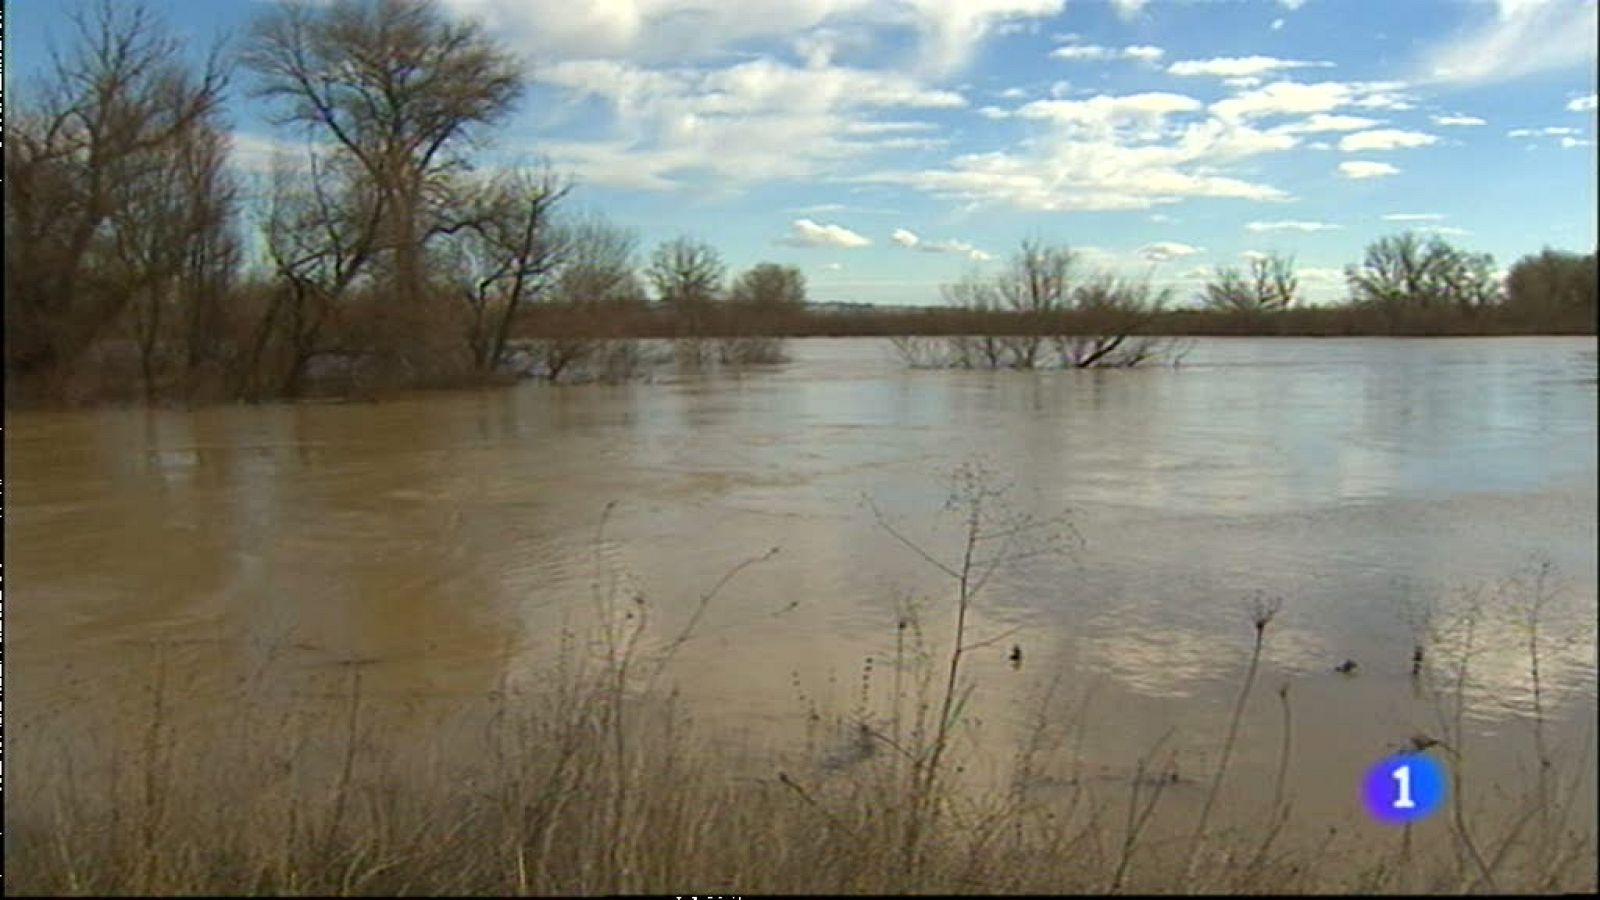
[440,535]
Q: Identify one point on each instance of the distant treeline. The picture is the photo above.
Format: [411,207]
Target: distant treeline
[645,321]
[141,265]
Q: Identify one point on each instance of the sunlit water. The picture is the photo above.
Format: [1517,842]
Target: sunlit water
[447,537]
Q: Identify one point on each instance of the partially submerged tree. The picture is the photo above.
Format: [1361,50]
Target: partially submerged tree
[507,257]
[1111,313]
[1270,286]
[1037,285]
[1092,322]
[321,230]
[596,291]
[977,296]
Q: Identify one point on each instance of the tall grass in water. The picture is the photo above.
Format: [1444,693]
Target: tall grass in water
[586,776]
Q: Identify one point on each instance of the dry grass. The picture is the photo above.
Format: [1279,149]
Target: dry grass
[587,776]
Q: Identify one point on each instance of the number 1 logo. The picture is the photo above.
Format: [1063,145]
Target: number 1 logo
[1404,788]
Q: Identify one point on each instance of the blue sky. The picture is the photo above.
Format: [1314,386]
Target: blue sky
[886,146]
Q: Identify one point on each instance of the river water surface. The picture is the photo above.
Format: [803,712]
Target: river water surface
[445,537]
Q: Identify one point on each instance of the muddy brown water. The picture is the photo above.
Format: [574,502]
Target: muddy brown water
[446,537]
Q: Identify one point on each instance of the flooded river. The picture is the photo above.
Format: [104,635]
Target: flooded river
[1374,486]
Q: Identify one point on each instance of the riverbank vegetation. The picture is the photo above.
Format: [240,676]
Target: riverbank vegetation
[143,265]
[581,771]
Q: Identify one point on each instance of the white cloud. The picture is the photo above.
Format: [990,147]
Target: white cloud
[1143,53]
[1216,140]
[1106,153]
[658,31]
[994,112]
[1360,168]
[1239,66]
[818,208]
[1107,111]
[1319,122]
[1321,284]
[1282,98]
[1291,225]
[1458,120]
[1521,37]
[1056,184]
[806,233]
[1084,52]
[1164,251]
[1012,93]
[1277,25]
[1549,131]
[1568,143]
[887,127]
[1583,104]
[1385,139]
[1128,9]
[758,120]
[911,241]
[833,267]
[1446,230]
[1017,26]
[1097,53]
[1412,217]
[1291,5]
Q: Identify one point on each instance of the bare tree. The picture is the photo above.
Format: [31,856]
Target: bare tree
[687,276]
[400,89]
[1112,312]
[976,295]
[108,118]
[321,232]
[769,287]
[508,256]
[758,302]
[173,247]
[1402,273]
[212,255]
[1270,286]
[598,285]
[1036,285]
[600,265]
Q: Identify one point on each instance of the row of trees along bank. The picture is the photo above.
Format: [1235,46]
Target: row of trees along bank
[141,265]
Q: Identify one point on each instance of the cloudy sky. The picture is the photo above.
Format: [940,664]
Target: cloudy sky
[885,146]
